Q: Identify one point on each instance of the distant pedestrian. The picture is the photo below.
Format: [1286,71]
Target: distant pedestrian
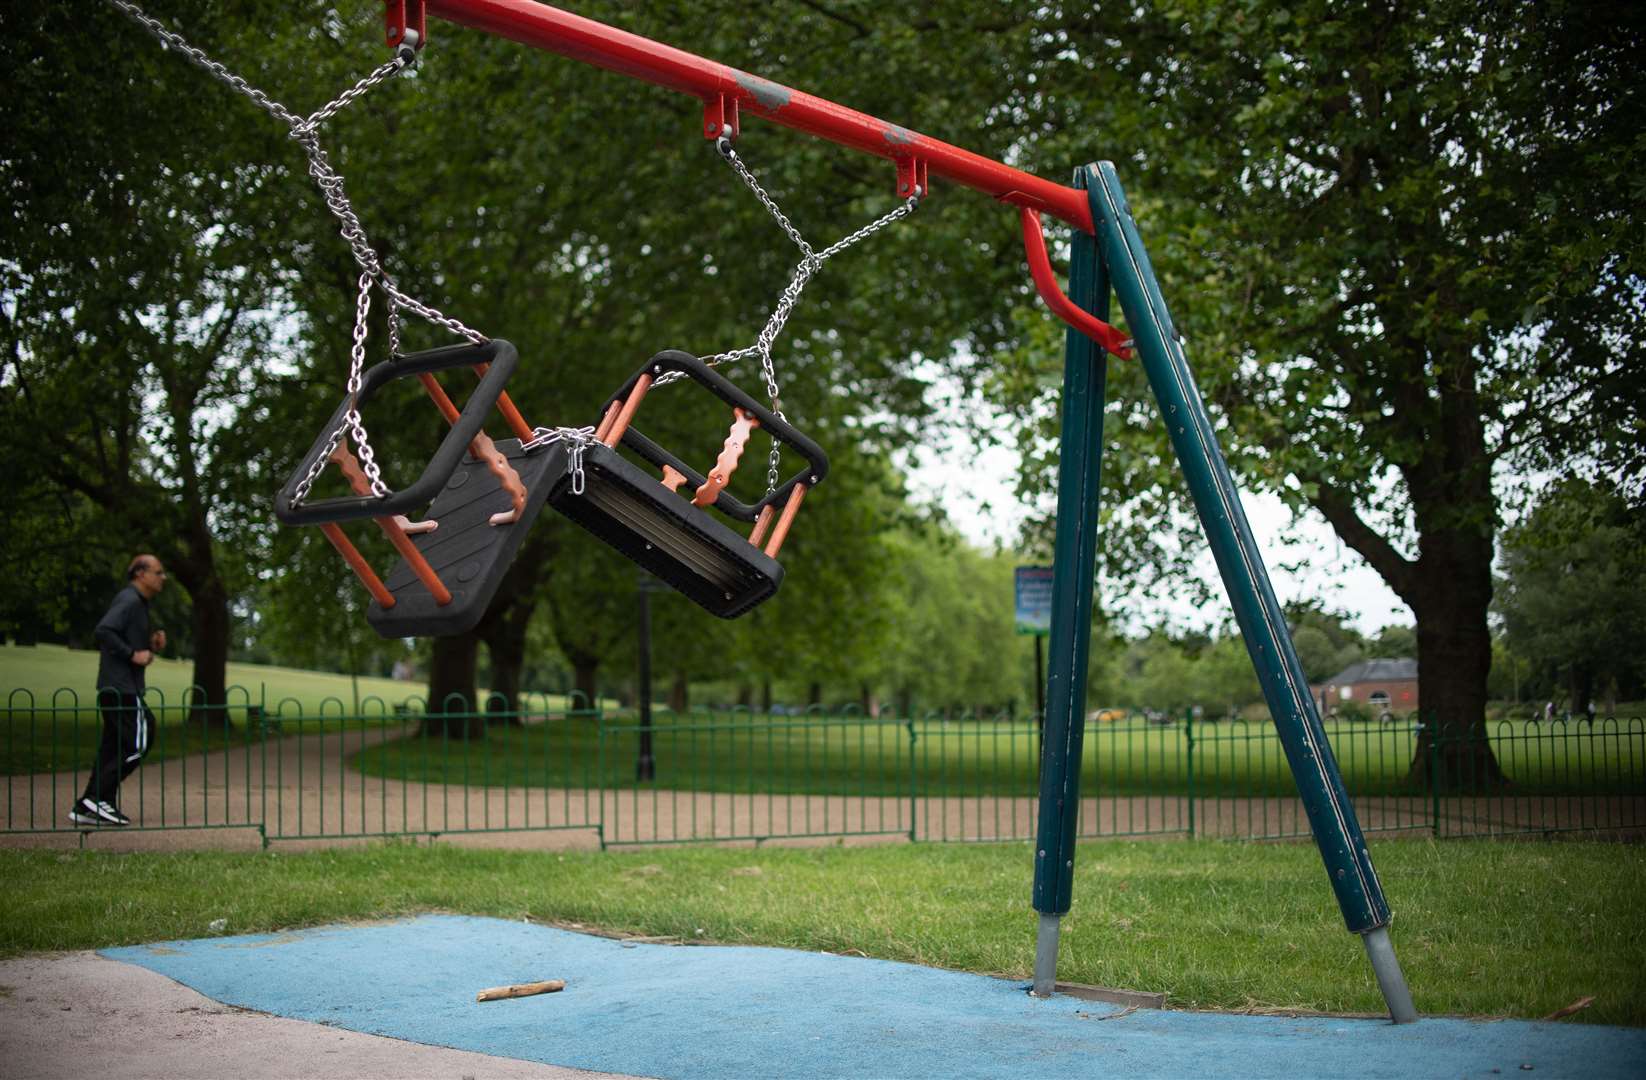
[127,647]
[1549,712]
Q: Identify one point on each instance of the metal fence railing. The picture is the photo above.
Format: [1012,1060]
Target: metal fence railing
[316,771]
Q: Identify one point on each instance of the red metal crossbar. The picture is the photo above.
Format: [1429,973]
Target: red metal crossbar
[727,93]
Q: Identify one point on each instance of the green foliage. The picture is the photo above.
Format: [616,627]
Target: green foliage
[1159,673]
[1402,244]
[1571,596]
[1325,642]
[1392,643]
[1354,712]
[1407,243]
[954,647]
[139,300]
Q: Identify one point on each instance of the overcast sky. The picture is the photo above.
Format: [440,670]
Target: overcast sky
[975,487]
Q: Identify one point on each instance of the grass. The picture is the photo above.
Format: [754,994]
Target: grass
[857,756]
[801,755]
[49,720]
[42,672]
[1483,929]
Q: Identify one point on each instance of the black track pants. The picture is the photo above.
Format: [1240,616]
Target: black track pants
[128,729]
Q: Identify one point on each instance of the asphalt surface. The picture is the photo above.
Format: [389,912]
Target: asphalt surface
[719,1011]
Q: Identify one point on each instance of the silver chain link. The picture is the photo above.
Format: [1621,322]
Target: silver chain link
[577,440]
[811,261]
[200,59]
[305,130]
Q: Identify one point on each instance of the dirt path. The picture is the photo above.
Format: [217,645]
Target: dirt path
[299,790]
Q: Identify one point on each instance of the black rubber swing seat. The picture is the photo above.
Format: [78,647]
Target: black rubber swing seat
[661,530]
[468,553]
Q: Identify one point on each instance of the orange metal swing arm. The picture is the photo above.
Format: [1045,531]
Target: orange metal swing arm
[727,92]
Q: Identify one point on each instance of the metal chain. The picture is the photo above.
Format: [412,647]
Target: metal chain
[809,264]
[305,130]
[200,59]
[577,440]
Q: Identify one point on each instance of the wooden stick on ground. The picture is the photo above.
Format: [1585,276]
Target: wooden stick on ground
[1577,1006]
[497,993]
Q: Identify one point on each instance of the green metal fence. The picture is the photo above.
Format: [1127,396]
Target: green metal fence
[288,770]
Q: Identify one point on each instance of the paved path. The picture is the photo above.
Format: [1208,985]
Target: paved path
[300,790]
[78,1015]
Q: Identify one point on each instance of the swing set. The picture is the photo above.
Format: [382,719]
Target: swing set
[478,497]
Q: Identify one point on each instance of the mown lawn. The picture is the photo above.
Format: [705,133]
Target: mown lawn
[46,727]
[859,756]
[48,705]
[50,675]
[1482,928]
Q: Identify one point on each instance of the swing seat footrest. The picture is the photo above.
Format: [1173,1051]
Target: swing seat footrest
[665,534]
[470,554]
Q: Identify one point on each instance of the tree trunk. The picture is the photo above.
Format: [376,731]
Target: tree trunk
[505,638]
[678,694]
[745,695]
[766,696]
[1580,681]
[1454,655]
[585,691]
[1449,585]
[503,627]
[870,703]
[503,699]
[814,694]
[452,689]
[211,653]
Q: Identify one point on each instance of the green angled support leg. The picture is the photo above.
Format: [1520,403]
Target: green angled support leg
[1085,370]
[1297,721]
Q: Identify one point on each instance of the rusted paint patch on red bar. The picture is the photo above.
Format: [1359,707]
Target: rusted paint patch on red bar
[767,94]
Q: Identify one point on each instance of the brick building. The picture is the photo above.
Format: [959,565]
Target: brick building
[1379,685]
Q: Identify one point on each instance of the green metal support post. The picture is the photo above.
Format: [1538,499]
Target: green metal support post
[1262,625]
[1085,372]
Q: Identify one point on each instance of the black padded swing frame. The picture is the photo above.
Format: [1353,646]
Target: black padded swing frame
[502,359]
[466,554]
[662,530]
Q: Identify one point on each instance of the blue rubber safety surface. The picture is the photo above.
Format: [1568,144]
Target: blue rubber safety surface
[734,1011]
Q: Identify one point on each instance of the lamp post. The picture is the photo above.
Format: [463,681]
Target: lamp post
[644,766]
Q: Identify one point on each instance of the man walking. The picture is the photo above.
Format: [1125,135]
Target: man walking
[127,647]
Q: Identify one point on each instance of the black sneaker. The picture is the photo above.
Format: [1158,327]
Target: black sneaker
[84,812]
[87,812]
[112,815]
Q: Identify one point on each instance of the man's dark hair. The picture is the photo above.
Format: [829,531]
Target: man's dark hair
[138,565]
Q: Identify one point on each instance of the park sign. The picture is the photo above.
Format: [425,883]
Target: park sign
[1034,600]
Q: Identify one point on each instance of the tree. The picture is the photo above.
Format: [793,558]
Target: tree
[1325,642]
[1401,243]
[643,240]
[1570,596]
[62,560]
[1392,643]
[138,298]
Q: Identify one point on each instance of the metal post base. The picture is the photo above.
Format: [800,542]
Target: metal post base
[1045,956]
[1389,978]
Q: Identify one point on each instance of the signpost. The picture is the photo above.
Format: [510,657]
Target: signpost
[1033,609]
